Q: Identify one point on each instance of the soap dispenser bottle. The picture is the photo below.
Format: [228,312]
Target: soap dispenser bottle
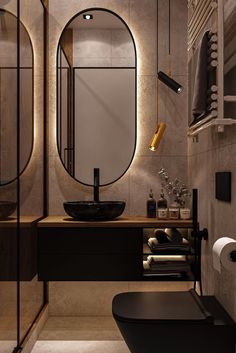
[162,211]
[151,206]
[162,203]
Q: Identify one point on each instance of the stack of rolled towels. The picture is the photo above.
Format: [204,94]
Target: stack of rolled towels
[169,240]
[166,264]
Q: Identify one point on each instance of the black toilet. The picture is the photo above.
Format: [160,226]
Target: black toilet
[173,322]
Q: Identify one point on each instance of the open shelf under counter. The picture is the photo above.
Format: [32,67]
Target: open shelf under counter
[152,276]
[121,222]
[147,251]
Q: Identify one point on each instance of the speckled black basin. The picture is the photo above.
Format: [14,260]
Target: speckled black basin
[6,209]
[94,211]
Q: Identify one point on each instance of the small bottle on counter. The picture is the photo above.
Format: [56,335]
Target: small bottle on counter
[151,206]
[185,213]
[162,211]
[174,211]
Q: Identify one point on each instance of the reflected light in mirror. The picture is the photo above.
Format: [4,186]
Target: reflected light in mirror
[88,17]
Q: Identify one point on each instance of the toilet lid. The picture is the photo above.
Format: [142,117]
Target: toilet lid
[160,307]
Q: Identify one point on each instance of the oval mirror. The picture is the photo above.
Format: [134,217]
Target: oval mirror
[8,97]
[96,91]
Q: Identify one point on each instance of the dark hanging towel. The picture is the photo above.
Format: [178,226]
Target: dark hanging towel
[202,81]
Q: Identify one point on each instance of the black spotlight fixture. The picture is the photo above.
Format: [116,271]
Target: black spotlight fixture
[88,16]
[167,80]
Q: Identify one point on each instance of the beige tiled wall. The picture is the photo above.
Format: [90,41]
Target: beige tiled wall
[94,298]
[141,17]
[215,152]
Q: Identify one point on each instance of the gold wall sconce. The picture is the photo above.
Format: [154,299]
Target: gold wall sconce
[157,136]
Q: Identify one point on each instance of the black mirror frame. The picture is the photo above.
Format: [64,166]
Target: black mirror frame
[57,99]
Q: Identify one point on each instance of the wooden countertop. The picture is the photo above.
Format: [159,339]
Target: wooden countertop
[121,222]
[24,221]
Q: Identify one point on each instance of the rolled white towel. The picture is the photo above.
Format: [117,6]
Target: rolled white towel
[165,258]
[153,241]
[146,265]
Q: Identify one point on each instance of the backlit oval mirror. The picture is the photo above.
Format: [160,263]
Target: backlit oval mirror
[8,97]
[96,96]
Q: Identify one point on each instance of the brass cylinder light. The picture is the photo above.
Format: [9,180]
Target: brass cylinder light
[157,136]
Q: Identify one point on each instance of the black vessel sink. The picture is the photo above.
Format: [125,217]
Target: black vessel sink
[94,211]
[6,209]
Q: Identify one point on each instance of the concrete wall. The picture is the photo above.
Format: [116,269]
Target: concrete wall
[94,298]
[212,153]
[133,187]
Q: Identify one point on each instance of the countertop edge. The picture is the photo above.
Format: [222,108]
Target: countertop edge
[121,222]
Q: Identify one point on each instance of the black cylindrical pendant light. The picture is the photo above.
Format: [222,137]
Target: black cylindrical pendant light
[167,80]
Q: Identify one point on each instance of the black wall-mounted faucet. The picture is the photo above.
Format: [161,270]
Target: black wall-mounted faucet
[96,181]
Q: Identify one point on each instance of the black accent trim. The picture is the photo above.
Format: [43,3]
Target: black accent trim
[17,349]
[45,138]
[44,7]
[223,186]
[104,67]
[30,327]
[18,179]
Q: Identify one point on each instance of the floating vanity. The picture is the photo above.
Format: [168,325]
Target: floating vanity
[27,248]
[106,250]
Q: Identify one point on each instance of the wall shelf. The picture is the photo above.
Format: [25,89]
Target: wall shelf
[209,122]
[230,99]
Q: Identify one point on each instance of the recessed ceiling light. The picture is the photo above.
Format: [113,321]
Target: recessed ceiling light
[88,16]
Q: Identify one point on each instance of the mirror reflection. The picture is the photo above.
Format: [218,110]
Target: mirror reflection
[8,97]
[96,82]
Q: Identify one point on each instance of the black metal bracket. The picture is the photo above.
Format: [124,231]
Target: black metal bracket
[200,234]
[203,234]
[196,232]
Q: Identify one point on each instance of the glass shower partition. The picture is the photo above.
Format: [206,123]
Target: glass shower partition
[32,178]
[8,178]
[22,178]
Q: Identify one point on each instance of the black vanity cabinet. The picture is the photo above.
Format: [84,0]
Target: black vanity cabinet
[86,254]
[71,250]
[26,255]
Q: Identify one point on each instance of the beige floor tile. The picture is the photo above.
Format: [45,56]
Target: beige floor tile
[80,328]
[7,346]
[80,347]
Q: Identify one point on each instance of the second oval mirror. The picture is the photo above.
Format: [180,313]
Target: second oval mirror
[9,107]
[96,90]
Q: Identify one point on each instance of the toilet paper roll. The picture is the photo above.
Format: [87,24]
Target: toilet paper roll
[224,254]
